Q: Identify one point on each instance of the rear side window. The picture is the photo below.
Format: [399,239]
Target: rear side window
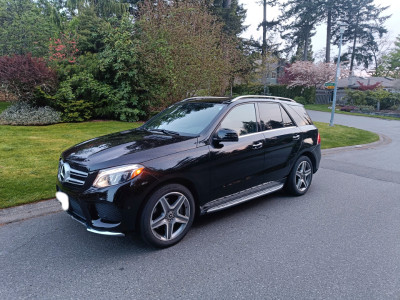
[242,119]
[270,116]
[299,115]
[287,121]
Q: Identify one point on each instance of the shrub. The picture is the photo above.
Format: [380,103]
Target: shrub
[356,97]
[366,108]
[300,99]
[371,98]
[348,108]
[21,113]
[22,74]
[277,90]
[76,111]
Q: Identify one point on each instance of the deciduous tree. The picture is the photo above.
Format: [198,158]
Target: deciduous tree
[308,74]
[182,51]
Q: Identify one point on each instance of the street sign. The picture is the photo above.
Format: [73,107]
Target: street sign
[330,85]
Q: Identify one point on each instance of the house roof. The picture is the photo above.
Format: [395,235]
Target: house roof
[352,82]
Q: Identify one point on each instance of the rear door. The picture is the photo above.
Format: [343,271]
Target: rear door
[282,140]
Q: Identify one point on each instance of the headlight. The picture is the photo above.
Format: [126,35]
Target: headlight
[117,175]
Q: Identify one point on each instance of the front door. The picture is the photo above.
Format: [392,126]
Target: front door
[236,166]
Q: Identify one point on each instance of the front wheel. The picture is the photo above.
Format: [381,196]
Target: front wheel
[300,177]
[167,216]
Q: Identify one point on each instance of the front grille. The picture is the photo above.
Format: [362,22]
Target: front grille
[70,175]
[108,212]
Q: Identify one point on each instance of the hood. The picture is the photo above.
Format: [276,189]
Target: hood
[126,147]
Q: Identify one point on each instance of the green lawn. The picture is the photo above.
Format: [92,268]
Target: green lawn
[29,155]
[325,107]
[340,136]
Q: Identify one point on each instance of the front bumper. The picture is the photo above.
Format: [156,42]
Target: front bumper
[100,218]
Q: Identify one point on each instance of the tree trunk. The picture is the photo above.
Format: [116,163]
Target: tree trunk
[264,26]
[328,36]
[305,51]
[226,3]
[353,54]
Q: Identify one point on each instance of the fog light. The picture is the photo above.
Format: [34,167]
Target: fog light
[63,198]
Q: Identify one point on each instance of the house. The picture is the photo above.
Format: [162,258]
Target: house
[353,82]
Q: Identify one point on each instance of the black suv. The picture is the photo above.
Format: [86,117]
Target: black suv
[198,156]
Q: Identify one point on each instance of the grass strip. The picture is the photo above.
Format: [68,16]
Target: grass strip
[341,136]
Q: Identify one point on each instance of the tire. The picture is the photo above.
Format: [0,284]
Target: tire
[300,177]
[167,216]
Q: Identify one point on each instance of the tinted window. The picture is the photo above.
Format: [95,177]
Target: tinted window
[299,115]
[242,118]
[186,118]
[270,115]
[287,122]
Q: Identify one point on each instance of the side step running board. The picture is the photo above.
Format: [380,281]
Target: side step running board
[241,197]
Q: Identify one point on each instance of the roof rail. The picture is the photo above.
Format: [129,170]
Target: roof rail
[204,97]
[262,97]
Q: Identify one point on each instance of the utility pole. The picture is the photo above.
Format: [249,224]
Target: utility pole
[342,28]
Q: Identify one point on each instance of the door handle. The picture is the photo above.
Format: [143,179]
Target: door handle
[258,145]
[296,136]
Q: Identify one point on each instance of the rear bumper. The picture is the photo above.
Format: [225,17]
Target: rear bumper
[317,155]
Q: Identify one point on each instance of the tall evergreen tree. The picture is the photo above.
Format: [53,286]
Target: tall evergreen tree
[301,18]
[25,27]
[364,22]
[103,8]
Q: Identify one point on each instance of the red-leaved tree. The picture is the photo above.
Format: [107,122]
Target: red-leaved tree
[22,74]
[63,49]
[370,87]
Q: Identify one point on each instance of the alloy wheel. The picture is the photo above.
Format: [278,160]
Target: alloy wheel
[170,216]
[303,176]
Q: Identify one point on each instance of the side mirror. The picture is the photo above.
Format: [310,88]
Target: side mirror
[226,135]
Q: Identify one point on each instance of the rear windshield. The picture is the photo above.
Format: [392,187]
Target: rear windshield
[189,118]
[299,115]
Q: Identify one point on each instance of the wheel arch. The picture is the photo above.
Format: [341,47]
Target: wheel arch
[312,157]
[178,180]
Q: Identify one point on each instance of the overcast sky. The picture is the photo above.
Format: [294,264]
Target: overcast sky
[255,15]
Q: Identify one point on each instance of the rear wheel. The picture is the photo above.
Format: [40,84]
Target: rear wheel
[167,216]
[300,177]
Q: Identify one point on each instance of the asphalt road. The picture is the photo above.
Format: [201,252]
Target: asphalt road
[339,241]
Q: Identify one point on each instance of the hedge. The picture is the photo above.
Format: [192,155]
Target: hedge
[277,90]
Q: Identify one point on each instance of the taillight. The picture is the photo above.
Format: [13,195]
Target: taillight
[318,139]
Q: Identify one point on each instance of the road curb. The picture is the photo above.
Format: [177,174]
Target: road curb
[383,140]
[28,211]
[45,207]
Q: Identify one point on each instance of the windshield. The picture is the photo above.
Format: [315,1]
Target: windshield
[185,118]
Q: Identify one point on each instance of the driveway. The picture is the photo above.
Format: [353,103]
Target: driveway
[339,241]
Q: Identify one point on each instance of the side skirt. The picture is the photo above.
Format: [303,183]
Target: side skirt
[242,196]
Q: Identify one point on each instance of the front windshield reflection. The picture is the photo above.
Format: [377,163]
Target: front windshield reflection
[185,118]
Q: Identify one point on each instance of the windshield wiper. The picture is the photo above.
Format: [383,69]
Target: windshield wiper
[165,131]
